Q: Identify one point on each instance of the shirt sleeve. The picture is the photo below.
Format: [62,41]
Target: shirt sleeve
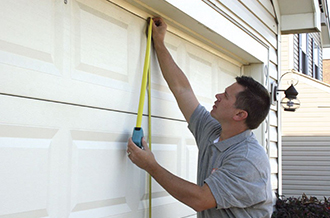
[202,125]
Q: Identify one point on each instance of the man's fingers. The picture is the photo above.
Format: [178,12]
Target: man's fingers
[144,144]
[131,145]
[157,21]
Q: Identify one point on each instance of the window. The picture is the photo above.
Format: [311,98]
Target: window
[316,60]
[303,58]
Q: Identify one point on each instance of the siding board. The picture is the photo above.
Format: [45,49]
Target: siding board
[310,119]
[264,16]
[247,20]
[273,150]
[268,6]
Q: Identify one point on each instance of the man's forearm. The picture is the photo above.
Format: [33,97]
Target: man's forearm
[175,78]
[196,197]
[186,192]
[177,81]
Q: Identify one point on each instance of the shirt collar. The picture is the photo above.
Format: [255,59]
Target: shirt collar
[225,144]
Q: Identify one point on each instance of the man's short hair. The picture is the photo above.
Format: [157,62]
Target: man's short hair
[255,100]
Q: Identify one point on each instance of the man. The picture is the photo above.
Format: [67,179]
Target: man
[233,169]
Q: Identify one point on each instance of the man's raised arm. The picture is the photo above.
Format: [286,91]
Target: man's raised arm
[175,78]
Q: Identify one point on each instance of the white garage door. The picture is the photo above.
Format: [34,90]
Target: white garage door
[69,86]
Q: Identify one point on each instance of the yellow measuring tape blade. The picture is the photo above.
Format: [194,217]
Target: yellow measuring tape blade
[144,77]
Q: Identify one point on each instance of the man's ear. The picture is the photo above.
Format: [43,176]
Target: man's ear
[240,115]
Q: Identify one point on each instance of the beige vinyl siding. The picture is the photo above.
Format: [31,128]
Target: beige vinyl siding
[312,118]
[252,17]
[268,6]
[286,52]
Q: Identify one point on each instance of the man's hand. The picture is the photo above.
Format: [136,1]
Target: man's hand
[158,30]
[143,158]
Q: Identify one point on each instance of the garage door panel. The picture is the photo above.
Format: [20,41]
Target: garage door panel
[208,73]
[166,151]
[28,39]
[75,163]
[99,56]
[36,38]
[191,163]
[100,52]
[108,55]
[24,167]
[93,168]
[169,143]
[227,73]
[172,43]
[200,72]
[28,48]
[101,43]
[27,58]
[99,164]
[163,101]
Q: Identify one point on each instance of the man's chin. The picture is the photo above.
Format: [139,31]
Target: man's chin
[212,113]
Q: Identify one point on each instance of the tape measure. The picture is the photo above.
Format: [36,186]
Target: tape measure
[138,131]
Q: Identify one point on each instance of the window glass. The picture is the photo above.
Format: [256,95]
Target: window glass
[316,55]
[304,42]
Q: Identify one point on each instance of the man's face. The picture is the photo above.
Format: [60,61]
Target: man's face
[224,106]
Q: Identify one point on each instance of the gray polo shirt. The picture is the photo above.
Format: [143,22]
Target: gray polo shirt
[237,170]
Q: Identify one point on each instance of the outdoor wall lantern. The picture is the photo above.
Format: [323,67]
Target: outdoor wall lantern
[290,102]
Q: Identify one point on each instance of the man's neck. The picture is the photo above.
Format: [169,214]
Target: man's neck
[228,132]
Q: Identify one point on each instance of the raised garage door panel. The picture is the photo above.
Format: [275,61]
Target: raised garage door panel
[89,54]
[94,58]
[68,157]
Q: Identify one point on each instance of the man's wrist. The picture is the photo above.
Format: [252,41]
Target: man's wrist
[159,45]
[152,168]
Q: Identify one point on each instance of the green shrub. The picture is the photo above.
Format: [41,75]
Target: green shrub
[302,207]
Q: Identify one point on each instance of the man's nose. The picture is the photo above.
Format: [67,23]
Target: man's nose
[218,96]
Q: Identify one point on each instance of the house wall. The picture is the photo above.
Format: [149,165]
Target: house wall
[69,87]
[311,119]
[313,95]
[305,132]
